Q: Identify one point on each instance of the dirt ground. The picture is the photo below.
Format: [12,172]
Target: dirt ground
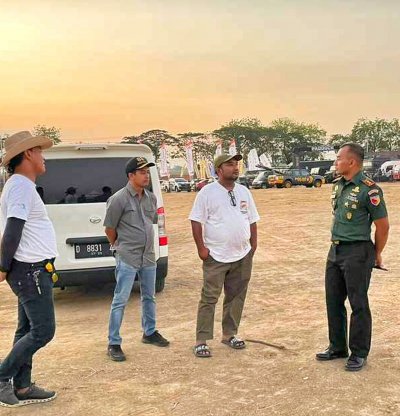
[285,307]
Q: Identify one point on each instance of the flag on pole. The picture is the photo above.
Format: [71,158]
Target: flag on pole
[203,164]
[252,160]
[164,171]
[211,168]
[266,160]
[218,150]
[189,158]
[232,148]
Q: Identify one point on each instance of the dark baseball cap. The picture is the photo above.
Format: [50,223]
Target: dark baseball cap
[137,163]
[219,160]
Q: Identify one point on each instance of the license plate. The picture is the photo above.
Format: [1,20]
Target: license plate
[87,251]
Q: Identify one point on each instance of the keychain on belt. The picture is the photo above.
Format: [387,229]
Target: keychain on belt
[35,275]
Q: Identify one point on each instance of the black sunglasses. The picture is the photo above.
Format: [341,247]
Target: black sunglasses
[233,199]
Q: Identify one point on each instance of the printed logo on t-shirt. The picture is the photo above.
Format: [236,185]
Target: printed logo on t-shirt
[243,207]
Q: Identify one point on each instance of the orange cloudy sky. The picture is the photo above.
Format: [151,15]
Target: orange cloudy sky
[106,69]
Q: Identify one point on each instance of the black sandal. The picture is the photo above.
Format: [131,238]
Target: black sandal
[235,343]
[202,351]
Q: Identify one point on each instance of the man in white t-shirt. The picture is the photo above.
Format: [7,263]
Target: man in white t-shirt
[28,250]
[224,228]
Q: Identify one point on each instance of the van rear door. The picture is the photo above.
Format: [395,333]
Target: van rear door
[79,224]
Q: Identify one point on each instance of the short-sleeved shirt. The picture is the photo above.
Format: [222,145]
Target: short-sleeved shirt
[356,204]
[226,224]
[133,219]
[21,200]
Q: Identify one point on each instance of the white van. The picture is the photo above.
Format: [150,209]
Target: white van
[91,173]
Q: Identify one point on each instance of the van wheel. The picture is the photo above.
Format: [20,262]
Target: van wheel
[317,184]
[264,186]
[160,283]
[288,184]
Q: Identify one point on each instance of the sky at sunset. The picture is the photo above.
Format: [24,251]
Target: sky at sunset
[105,69]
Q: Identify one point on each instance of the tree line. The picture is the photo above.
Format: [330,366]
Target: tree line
[279,139]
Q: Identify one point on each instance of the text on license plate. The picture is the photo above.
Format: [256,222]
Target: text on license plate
[85,251]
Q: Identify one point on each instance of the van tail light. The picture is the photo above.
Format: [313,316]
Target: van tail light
[162,234]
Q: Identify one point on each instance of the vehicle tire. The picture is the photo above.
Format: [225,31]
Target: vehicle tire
[317,183]
[264,186]
[160,283]
[288,184]
[279,186]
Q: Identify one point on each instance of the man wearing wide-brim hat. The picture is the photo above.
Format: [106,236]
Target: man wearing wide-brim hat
[28,250]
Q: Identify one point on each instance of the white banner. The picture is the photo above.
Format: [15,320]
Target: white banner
[266,160]
[218,150]
[232,148]
[253,161]
[211,169]
[164,171]
[189,158]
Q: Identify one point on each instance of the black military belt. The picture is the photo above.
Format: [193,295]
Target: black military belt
[347,243]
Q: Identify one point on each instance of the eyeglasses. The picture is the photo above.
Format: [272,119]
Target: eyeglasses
[233,199]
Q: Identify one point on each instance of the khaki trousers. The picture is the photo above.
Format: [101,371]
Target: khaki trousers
[234,278]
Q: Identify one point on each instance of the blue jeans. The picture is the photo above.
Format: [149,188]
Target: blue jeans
[125,276]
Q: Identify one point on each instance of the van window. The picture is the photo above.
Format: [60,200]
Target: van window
[74,181]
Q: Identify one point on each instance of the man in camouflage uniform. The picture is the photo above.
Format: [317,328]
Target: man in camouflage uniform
[357,202]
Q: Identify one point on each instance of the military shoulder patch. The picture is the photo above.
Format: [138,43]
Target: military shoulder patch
[373,191]
[368,182]
[375,200]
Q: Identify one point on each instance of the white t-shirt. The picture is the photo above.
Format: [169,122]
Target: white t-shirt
[20,199]
[226,227]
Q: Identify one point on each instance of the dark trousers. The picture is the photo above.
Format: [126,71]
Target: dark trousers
[234,278]
[36,321]
[348,273]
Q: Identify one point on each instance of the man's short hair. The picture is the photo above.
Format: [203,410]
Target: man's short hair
[356,150]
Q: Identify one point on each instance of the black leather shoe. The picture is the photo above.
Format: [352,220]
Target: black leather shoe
[355,363]
[328,355]
[115,353]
